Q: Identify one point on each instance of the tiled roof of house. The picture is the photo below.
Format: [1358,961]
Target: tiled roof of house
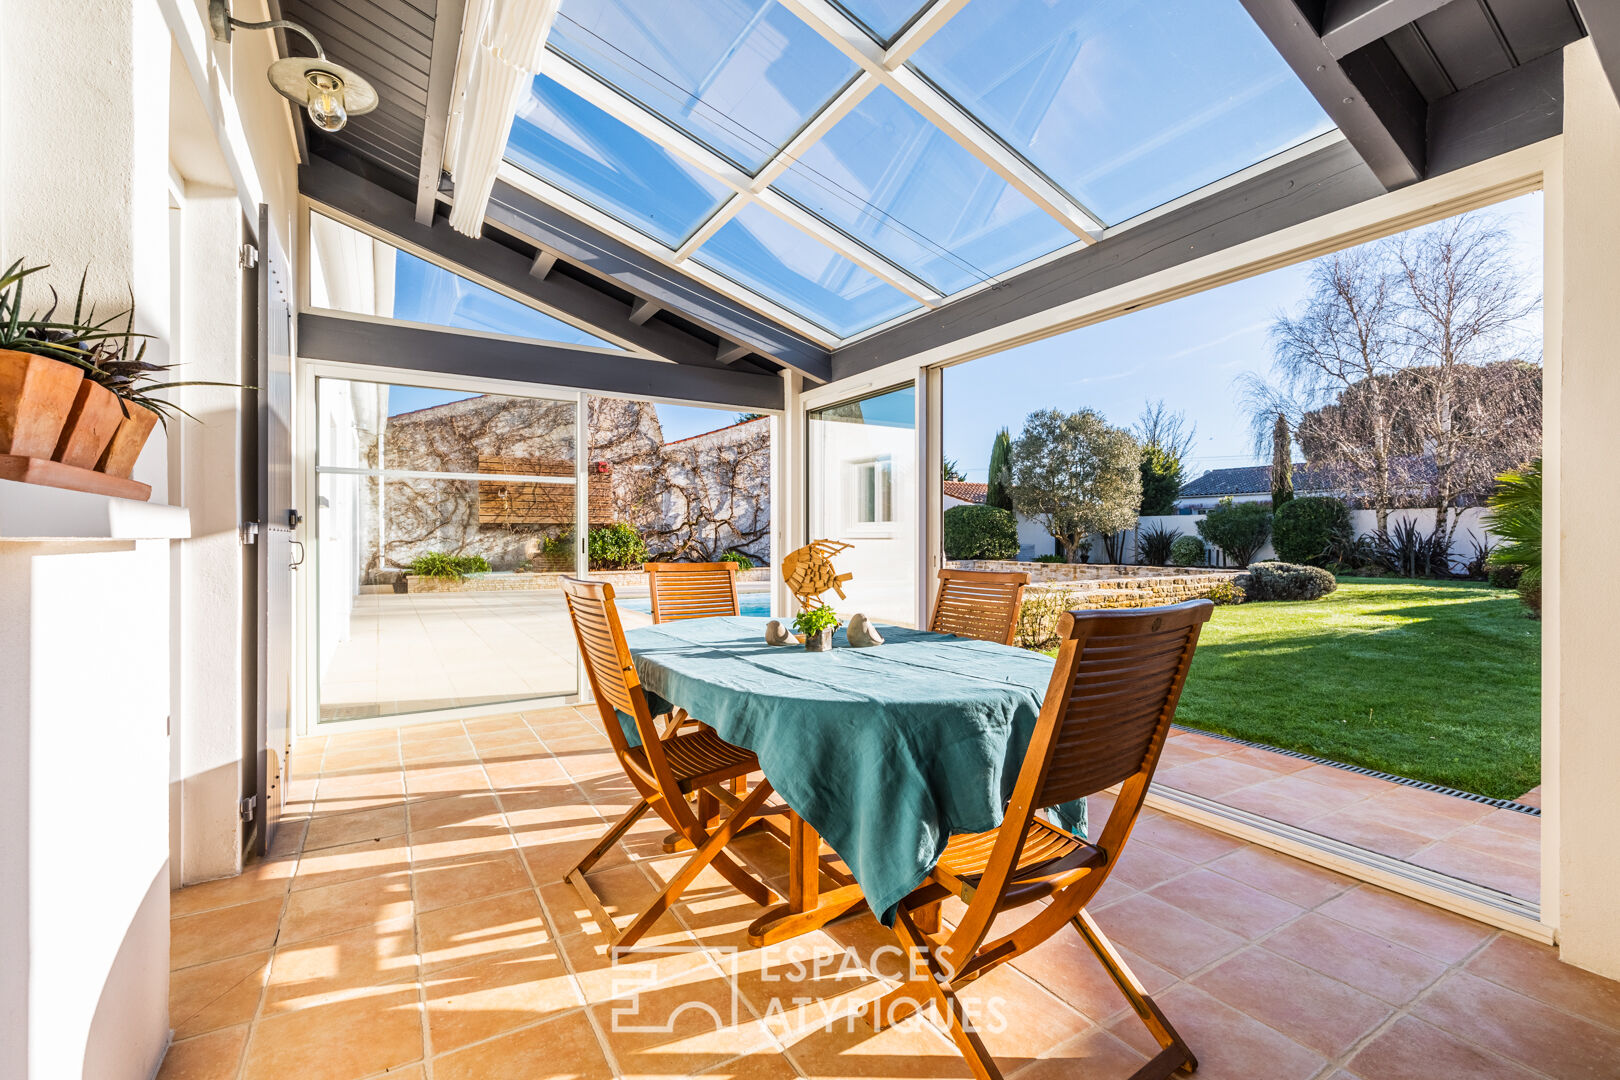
[1251,480]
[969,493]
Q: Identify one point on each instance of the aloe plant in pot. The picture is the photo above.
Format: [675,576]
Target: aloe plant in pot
[77,397]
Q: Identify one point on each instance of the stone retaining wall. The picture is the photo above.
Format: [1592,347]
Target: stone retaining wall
[1043,572]
[516,582]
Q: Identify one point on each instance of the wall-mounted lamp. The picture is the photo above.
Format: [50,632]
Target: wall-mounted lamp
[332,93]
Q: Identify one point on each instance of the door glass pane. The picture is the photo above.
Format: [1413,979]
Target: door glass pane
[760,250]
[741,76]
[863,492]
[897,183]
[562,138]
[1125,103]
[436,587]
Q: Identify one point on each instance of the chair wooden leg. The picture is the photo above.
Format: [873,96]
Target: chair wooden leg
[576,876]
[913,995]
[710,852]
[1174,1053]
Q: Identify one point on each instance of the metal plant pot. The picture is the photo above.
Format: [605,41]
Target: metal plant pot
[820,641]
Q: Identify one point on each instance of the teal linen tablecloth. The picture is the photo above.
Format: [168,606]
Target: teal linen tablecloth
[885,751]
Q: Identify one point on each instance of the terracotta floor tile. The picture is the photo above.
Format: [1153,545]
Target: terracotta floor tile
[603,973]
[215,935]
[1411,1050]
[1269,803]
[1282,876]
[344,965]
[332,909]
[211,996]
[526,772]
[1517,876]
[1344,778]
[214,1056]
[624,891]
[1266,758]
[764,1064]
[1531,797]
[1511,822]
[356,740]
[1065,965]
[1197,740]
[486,927]
[356,762]
[1171,938]
[854,1050]
[1018,1019]
[350,862]
[371,787]
[1535,971]
[1142,866]
[472,1002]
[1355,827]
[261,880]
[1361,959]
[1213,777]
[288,839]
[1321,790]
[1192,842]
[1227,902]
[341,1040]
[428,781]
[1494,1018]
[550,863]
[1095,1053]
[1408,922]
[465,809]
[1418,803]
[1310,1008]
[1228,1044]
[433,847]
[564,1047]
[444,882]
[334,829]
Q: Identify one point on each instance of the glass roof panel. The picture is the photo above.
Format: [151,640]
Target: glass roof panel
[1125,103]
[353,272]
[764,253]
[894,181]
[741,76]
[883,19]
[561,137]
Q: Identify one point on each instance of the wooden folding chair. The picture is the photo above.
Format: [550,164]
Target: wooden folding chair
[663,770]
[692,590]
[976,604]
[1104,722]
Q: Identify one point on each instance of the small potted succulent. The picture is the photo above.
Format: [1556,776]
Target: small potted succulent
[817,626]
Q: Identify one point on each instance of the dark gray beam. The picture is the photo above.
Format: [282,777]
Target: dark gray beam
[1320,183]
[1602,18]
[544,225]
[729,353]
[395,217]
[1383,119]
[1516,108]
[1347,25]
[448,352]
[441,83]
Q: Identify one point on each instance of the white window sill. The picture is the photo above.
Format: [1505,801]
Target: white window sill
[33,512]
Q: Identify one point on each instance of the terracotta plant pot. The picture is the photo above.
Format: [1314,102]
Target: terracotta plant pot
[36,394]
[90,426]
[119,457]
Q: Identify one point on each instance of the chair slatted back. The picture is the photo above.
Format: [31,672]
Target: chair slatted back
[979,605]
[606,656]
[692,590]
[1128,670]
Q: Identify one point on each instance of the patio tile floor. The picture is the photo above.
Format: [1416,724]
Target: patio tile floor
[1472,841]
[425,934]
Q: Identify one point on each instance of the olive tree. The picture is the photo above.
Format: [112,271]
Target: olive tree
[1076,475]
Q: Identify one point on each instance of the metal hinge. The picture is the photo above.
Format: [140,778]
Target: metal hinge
[247,257]
[249,804]
[249,532]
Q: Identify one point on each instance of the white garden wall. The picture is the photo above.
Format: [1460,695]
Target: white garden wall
[1471,528]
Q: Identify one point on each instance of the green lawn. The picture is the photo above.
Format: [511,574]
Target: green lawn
[1434,681]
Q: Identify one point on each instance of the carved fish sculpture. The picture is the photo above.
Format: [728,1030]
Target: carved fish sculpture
[809,572]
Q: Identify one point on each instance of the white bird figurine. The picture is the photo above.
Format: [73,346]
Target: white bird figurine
[861,633]
[777,634]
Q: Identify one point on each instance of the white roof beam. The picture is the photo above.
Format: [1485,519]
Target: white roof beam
[840,31]
[917,34]
[717,220]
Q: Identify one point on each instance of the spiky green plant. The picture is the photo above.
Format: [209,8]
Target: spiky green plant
[1515,516]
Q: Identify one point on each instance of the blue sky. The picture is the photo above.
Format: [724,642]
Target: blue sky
[1189,352]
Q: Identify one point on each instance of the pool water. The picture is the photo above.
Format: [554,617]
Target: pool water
[757,604]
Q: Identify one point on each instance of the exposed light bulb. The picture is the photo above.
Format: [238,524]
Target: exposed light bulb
[326,101]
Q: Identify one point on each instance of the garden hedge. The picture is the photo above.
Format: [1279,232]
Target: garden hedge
[980,532]
[1285,581]
[1303,528]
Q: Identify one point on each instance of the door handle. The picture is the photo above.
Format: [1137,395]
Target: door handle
[300,562]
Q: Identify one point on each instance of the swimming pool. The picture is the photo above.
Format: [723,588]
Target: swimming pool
[756,604]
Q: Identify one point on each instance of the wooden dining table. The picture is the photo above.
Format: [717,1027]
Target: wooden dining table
[881,754]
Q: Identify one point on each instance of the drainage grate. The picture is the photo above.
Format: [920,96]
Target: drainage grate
[1500,804]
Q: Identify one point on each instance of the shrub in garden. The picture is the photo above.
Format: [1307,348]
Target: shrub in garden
[1303,529]
[743,562]
[1239,529]
[447,567]
[1049,559]
[1039,615]
[980,532]
[1225,591]
[1285,581]
[1516,517]
[1505,575]
[1154,544]
[615,547]
[1407,551]
[1187,550]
